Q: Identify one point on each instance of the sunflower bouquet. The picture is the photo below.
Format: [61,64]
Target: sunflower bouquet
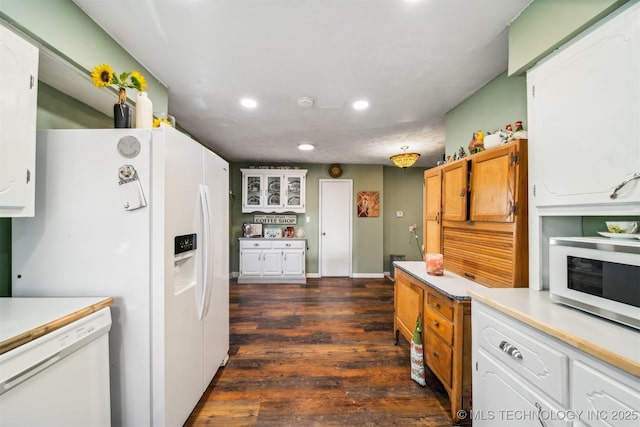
[103,75]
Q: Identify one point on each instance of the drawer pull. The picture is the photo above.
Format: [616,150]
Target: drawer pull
[510,350]
[436,323]
[436,305]
[469,275]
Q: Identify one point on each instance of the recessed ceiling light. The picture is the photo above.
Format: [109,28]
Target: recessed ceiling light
[361,104]
[249,103]
[305,146]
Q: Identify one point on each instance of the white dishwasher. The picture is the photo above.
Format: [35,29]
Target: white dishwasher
[54,362]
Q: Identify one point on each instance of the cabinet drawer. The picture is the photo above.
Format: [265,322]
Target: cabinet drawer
[255,244]
[438,356]
[296,244]
[440,325]
[440,303]
[524,351]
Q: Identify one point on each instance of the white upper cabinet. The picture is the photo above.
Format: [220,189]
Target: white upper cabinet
[18,104]
[584,117]
[273,190]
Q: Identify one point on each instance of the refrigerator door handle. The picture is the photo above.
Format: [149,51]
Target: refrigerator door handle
[206,231]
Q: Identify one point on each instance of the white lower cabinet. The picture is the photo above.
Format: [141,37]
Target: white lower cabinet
[272,261]
[524,377]
[507,400]
[603,396]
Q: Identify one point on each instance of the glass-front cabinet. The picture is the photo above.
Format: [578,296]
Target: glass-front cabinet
[273,190]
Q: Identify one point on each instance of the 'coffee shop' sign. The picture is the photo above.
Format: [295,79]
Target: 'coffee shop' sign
[275,219]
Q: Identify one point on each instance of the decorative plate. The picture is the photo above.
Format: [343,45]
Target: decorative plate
[335,170]
[619,235]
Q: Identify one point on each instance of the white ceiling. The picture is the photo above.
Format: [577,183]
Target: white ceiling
[413,61]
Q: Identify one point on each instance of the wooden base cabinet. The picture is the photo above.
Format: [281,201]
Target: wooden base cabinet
[446,335]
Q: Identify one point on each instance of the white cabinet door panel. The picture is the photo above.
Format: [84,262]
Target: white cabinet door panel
[603,400]
[500,399]
[250,262]
[18,99]
[292,262]
[584,104]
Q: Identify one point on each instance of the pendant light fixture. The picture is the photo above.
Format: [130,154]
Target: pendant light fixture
[404,160]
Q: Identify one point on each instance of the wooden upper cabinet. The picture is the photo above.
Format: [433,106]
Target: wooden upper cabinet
[482,227]
[494,175]
[454,191]
[432,210]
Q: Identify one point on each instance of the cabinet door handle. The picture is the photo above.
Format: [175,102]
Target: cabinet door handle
[438,218]
[436,323]
[462,192]
[539,407]
[510,350]
[436,354]
[614,194]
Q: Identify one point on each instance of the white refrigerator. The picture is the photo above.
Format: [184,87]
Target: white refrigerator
[141,215]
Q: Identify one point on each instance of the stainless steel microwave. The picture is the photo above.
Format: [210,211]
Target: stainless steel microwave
[597,275]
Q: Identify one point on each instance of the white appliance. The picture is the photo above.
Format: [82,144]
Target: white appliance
[141,215]
[60,378]
[598,275]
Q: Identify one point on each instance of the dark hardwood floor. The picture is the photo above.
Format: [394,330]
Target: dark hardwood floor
[320,354]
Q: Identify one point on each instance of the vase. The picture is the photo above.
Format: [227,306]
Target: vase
[144,111]
[121,111]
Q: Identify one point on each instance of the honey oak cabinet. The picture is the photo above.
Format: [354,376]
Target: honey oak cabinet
[446,335]
[454,190]
[479,223]
[18,91]
[273,190]
[432,225]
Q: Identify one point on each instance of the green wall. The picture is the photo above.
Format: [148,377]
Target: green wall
[403,192]
[5,257]
[501,101]
[546,24]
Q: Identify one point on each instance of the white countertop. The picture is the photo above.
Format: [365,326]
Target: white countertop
[452,285]
[615,344]
[24,319]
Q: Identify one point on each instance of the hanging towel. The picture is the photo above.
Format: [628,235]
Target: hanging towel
[417,356]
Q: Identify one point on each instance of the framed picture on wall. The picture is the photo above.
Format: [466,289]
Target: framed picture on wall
[368,203]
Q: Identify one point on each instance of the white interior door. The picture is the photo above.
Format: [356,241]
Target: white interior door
[336,213]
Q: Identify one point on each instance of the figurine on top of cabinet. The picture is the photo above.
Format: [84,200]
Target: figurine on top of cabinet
[520,133]
[461,152]
[477,142]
